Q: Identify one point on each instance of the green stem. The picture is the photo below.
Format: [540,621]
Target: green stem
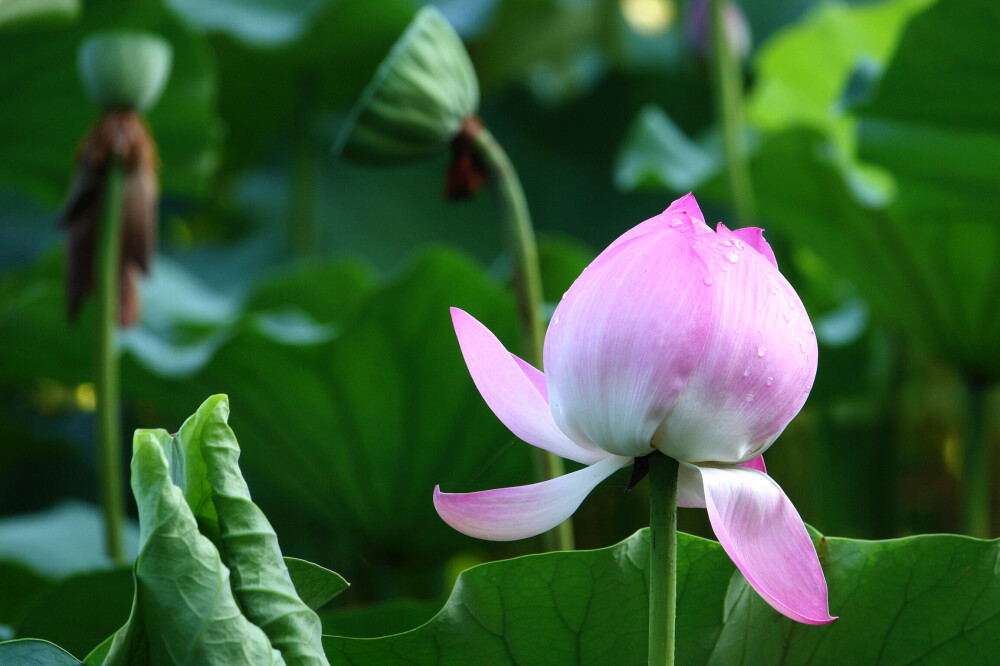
[728,84]
[662,558]
[107,266]
[304,192]
[977,464]
[519,237]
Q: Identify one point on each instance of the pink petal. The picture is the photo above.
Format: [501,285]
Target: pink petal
[754,237]
[535,375]
[755,463]
[762,532]
[507,514]
[625,339]
[758,363]
[511,394]
[682,216]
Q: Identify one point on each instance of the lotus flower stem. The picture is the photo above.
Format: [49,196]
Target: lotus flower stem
[108,262]
[519,236]
[662,558]
[977,464]
[729,104]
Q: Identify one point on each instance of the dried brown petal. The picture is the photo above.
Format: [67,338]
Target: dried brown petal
[466,174]
[122,136]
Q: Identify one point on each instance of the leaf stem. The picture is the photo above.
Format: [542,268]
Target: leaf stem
[519,237]
[108,267]
[662,558]
[977,463]
[728,84]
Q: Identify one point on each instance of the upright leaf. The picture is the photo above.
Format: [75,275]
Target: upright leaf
[184,610]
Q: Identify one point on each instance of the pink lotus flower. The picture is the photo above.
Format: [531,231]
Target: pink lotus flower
[676,338]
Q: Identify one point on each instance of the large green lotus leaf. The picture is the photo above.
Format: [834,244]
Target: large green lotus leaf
[80,611]
[375,403]
[357,427]
[20,12]
[336,49]
[802,71]
[933,125]
[45,112]
[924,251]
[30,652]
[266,23]
[21,585]
[928,599]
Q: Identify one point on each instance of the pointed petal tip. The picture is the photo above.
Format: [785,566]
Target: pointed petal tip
[762,532]
[509,514]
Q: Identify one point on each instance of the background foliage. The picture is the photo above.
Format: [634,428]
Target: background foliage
[315,294]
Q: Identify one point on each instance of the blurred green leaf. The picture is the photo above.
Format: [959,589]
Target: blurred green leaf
[374,403]
[30,652]
[21,584]
[46,113]
[919,239]
[933,125]
[929,599]
[19,12]
[336,49]
[802,71]
[80,611]
[267,23]
[657,153]
[62,540]
[315,585]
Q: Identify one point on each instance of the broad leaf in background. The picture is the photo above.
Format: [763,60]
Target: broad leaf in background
[16,13]
[933,125]
[925,250]
[312,58]
[932,599]
[354,429]
[354,400]
[802,71]
[30,652]
[80,611]
[46,113]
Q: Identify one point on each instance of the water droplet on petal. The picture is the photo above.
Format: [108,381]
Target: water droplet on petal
[746,373]
[749,397]
[732,257]
[761,351]
[555,320]
[770,380]
[708,281]
[726,243]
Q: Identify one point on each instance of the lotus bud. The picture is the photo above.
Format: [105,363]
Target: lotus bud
[124,69]
[422,94]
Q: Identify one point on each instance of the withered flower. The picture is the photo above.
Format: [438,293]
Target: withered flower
[120,136]
[124,73]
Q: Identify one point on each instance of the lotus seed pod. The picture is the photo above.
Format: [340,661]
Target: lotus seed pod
[125,69]
[421,94]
